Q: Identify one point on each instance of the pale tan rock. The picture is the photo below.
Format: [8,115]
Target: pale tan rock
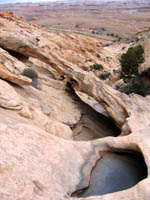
[55,49]
[47,157]
[59,129]
[118,84]
[52,167]
[145,43]
[8,97]
[11,68]
[26,112]
[20,80]
[51,125]
[34,163]
[42,65]
[63,106]
[91,102]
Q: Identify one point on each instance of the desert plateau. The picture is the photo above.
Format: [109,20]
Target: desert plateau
[112,19]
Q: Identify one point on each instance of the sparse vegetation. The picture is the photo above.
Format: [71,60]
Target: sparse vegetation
[136,85]
[30,73]
[106,45]
[103,29]
[98,56]
[96,66]
[123,48]
[130,61]
[146,73]
[105,75]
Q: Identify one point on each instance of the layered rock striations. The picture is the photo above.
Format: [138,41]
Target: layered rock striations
[39,159]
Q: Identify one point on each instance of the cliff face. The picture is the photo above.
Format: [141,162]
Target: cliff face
[41,119]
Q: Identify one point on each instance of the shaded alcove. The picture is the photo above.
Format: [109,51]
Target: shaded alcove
[92,124]
[17,55]
[115,171]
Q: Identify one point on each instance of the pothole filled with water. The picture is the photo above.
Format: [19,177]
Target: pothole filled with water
[115,172]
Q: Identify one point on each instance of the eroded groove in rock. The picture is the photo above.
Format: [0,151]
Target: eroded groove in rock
[115,172]
[92,125]
[18,56]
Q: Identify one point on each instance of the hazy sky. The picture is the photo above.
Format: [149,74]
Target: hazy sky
[22,1]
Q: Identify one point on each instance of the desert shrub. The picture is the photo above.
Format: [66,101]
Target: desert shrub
[106,45]
[105,75]
[89,60]
[103,29]
[30,73]
[36,84]
[146,73]
[98,56]
[96,67]
[136,85]
[130,61]
[112,34]
[123,48]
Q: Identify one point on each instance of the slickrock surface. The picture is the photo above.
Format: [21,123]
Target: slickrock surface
[11,68]
[35,163]
[8,97]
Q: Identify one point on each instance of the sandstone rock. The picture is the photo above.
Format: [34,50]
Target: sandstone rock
[49,72]
[63,106]
[45,109]
[26,112]
[50,125]
[56,50]
[59,129]
[49,169]
[145,66]
[10,16]
[11,68]
[8,97]
[34,163]
[20,80]
[117,85]
[91,102]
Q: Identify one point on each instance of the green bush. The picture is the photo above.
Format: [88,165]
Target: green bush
[98,56]
[136,85]
[130,61]
[96,67]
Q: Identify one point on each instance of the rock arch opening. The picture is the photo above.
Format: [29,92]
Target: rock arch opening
[92,124]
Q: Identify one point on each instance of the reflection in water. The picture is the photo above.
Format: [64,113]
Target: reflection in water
[100,109]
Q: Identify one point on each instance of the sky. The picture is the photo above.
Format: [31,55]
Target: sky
[22,1]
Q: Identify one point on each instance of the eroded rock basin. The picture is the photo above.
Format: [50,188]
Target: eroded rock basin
[115,172]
